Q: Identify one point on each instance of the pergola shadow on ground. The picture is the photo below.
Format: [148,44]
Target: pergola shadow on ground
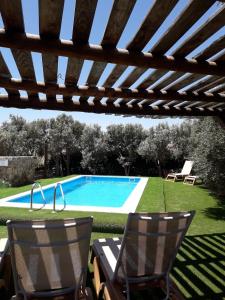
[199,267]
[198,270]
[196,87]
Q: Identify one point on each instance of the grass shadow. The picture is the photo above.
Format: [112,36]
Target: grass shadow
[199,270]
[217,212]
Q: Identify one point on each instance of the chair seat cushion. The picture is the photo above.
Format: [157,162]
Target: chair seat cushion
[3,243]
[108,251]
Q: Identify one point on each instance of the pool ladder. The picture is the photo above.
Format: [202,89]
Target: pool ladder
[54,199]
[132,179]
[37,185]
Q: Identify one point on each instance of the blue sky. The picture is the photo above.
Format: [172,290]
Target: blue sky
[30,9]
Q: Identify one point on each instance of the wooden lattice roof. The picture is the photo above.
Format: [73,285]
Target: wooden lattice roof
[187,91]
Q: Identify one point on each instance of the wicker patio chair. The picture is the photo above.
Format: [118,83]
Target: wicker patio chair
[143,257]
[186,170]
[50,258]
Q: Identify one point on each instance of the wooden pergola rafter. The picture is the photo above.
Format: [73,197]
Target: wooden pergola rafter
[195,87]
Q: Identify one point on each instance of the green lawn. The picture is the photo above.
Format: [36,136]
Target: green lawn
[159,195]
[199,269]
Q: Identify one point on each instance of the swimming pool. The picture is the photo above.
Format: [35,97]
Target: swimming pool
[87,193]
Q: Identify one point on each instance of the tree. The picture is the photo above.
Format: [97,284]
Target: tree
[156,146]
[208,149]
[64,138]
[94,154]
[39,139]
[123,142]
[180,140]
[3,143]
[14,134]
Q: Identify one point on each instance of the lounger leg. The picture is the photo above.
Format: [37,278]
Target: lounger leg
[97,280]
[100,287]
[104,292]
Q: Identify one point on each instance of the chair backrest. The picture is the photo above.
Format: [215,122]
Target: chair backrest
[4,251]
[187,167]
[150,244]
[49,254]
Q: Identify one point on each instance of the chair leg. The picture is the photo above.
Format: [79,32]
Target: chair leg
[88,293]
[167,287]
[170,289]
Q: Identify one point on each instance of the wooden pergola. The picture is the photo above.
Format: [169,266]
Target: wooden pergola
[187,91]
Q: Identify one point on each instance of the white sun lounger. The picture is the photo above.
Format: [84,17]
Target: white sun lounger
[184,172]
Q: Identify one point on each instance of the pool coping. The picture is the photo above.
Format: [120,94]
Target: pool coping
[129,205]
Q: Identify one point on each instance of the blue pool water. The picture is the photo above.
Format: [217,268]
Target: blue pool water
[88,191]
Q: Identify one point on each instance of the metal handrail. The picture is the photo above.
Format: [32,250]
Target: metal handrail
[36,184]
[54,199]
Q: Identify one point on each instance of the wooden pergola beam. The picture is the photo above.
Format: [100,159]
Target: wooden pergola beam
[107,54]
[100,92]
[51,104]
